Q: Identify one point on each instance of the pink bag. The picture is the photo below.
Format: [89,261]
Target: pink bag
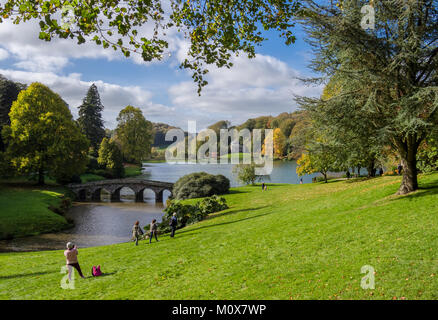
[96,271]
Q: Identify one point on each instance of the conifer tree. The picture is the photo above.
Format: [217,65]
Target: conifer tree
[9,91]
[90,118]
[388,70]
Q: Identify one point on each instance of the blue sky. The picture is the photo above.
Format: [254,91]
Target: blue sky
[253,87]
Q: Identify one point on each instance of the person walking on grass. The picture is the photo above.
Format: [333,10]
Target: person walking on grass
[153,230]
[136,232]
[173,224]
[71,255]
[399,169]
[263,186]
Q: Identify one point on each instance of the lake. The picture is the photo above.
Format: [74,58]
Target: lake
[283,172]
[104,223]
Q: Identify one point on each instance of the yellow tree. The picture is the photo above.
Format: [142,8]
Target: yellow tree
[279,143]
[43,138]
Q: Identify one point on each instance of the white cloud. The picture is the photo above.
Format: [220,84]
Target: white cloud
[3,54]
[32,54]
[253,87]
[36,55]
[114,97]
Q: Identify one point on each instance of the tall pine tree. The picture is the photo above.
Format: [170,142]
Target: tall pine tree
[9,91]
[90,118]
[388,73]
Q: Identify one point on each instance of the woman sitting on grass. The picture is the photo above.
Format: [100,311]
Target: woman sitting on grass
[153,230]
[71,254]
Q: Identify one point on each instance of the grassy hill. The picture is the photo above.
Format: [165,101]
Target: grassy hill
[290,242]
[24,210]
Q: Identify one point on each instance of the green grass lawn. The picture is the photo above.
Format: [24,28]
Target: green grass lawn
[24,210]
[290,242]
[90,177]
[132,171]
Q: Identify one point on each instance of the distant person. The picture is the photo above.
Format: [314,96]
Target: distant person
[348,174]
[266,187]
[301,180]
[381,171]
[399,169]
[173,224]
[153,230]
[263,186]
[136,232]
[71,255]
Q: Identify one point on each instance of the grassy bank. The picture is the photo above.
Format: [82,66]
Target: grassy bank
[130,171]
[24,210]
[290,242]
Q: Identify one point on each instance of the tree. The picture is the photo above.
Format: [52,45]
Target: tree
[279,143]
[200,184]
[215,30]
[111,158]
[134,133]
[318,160]
[287,126]
[42,137]
[9,91]
[246,173]
[390,70]
[90,118]
[346,126]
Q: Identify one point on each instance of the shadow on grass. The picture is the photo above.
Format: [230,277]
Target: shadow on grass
[425,189]
[24,275]
[235,192]
[105,274]
[226,213]
[229,222]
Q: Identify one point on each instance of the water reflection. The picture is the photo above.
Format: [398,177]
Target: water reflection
[96,224]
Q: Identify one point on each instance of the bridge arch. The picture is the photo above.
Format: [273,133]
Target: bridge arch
[96,193]
[138,186]
[82,194]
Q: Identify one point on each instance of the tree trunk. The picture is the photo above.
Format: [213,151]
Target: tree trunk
[41,176]
[325,176]
[370,169]
[409,162]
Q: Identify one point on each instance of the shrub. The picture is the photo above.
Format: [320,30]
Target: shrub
[200,184]
[190,213]
[93,164]
[212,204]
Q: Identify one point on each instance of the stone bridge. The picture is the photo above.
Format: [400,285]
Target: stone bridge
[90,191]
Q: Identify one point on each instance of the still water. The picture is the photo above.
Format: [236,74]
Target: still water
[283,172]
[104,223]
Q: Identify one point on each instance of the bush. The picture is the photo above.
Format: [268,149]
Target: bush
[190,213]
[200,184]
[212,204]
[93,164]
[66,180]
